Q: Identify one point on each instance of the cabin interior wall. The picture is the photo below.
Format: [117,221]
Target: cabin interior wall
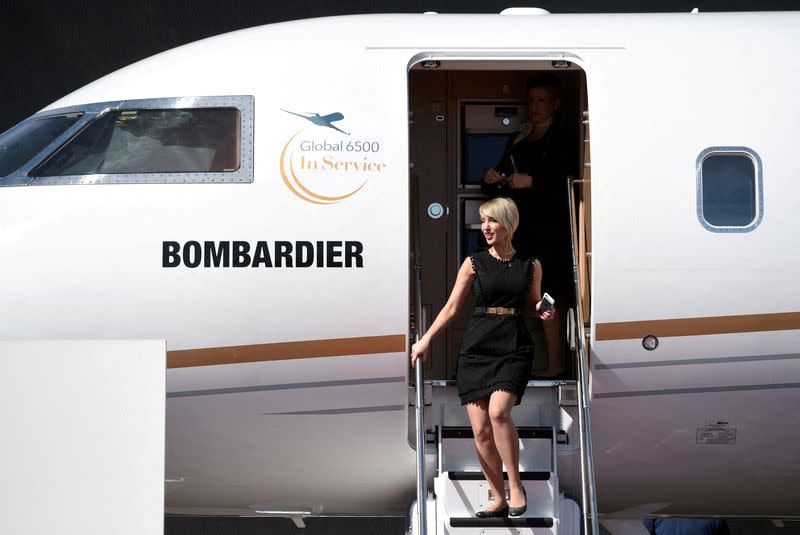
[436,100]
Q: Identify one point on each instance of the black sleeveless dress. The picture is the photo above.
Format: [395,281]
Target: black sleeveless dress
[496,351]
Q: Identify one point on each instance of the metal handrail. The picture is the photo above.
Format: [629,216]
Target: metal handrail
[588,494]
[422,490]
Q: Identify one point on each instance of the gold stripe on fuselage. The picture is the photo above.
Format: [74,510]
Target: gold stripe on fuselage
[336,347]
[626,330]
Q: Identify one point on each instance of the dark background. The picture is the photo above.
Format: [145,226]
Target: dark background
[51,48]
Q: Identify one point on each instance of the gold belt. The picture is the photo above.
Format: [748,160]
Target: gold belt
[499,311]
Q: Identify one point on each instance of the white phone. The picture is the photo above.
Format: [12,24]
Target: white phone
[547,303]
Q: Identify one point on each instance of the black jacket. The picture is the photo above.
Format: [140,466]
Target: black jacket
[544,209]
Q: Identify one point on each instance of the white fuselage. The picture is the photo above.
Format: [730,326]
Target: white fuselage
[322,425]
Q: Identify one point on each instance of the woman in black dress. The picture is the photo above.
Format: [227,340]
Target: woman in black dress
[495,358]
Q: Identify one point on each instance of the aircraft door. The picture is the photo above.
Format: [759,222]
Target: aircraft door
[430,200]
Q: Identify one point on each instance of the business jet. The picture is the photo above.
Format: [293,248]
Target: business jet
[290,266]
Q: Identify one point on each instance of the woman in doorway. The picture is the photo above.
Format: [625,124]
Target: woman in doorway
[495,357]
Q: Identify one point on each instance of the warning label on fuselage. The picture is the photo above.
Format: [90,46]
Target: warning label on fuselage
[717,434]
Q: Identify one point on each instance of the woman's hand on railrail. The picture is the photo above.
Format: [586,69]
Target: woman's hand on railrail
[418,350]
[548,315]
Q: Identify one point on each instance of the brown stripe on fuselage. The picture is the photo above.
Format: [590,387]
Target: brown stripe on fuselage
[335,347]
[625,330]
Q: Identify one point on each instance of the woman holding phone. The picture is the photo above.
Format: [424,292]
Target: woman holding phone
[494,361]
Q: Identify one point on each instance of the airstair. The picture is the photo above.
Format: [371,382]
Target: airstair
[546,432]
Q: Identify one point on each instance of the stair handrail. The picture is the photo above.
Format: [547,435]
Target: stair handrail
[588,494]
[420,327]
[422,490]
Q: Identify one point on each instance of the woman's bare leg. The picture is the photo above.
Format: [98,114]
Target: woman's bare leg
[491,462]
[507,441]
[553,331]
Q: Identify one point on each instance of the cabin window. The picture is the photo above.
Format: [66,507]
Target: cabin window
[29,138]
[729,189]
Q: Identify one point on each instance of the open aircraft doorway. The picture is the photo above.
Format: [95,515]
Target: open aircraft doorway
[526,120]
[465,115]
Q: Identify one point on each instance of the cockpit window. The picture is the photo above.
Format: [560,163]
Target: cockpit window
[27,139]
[175,140]
[140,141]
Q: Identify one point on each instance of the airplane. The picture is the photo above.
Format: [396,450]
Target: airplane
[318,120]
[175,200]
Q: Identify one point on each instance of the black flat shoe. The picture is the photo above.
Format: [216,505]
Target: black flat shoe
[519,511]
[500,513]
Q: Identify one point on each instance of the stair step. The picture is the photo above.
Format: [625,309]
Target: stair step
[523,432]
[478,476]
[463,493]
[458,454]
[522,522]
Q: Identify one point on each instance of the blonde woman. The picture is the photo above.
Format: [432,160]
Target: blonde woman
[495,357]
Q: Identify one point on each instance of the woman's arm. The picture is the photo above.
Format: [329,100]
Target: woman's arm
[457,298]
[534,298]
